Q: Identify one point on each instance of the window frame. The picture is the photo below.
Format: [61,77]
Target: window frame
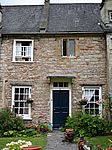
[68,47]
[110,15]
[14,49]
[100,97]
[24,116]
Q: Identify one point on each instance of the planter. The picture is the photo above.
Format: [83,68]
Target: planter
[30,101]
[31,148]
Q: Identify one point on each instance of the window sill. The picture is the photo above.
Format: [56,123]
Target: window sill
[27,118]
[22,61]
[70,57]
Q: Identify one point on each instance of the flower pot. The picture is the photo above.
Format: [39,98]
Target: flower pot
[31,148]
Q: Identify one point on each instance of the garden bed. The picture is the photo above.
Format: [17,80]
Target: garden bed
[39,140]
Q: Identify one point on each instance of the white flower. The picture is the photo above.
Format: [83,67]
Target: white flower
[29,143]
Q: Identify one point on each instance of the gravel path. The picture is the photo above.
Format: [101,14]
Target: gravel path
[54,142]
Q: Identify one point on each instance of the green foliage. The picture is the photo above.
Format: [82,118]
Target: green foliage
[87,125]
[9,122]
[23,133]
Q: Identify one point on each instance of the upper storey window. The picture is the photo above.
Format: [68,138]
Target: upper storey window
[68,47]
[23,50]
[110,15]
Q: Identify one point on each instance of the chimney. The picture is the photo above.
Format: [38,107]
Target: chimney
[0,16]
[44,16]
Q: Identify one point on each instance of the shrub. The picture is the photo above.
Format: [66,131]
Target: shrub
[8,122]
[87,125]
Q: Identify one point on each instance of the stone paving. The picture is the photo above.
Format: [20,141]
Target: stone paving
[54,142]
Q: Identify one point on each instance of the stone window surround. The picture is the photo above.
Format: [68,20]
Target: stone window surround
[100,97]
[67,47]
[25,116]
[14,49]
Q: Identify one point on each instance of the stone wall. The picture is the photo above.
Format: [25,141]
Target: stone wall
[89,68]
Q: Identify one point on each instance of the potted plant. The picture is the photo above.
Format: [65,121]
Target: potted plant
[83,101]
[29,100]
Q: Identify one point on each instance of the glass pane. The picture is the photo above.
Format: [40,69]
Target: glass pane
[16,90]
[21,110]
[86,111]
[21,104]
[21,97]
[92,111]
[96,106]
[71,47]
[16,97]
[16,110]
[55,84]
[64,53]
[25,110]
[21,90]
[96,92]
[60,84]
[92,99]
[65,84]
[26,104]
[97,111]
[16,104]
[91,105]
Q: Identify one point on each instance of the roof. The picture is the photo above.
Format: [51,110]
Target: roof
[21,18]
[76,17]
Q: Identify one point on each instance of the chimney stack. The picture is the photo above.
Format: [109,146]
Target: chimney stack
[0,16]
[44,16]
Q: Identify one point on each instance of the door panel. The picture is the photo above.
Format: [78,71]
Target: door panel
[60,107]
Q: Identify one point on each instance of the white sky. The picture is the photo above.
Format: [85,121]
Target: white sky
[38,2]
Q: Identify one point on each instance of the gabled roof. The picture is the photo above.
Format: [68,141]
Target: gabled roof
[77,17]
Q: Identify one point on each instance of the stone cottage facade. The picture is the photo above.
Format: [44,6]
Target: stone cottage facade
[52,56]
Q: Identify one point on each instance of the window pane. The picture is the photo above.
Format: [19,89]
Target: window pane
[71,47]
[65,84]
[25,110]
[55,84]
[60,84]
[21,110]
[16,110]
[21,104]
[16,104]
[64,52]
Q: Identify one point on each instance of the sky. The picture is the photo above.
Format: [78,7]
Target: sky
[39,2]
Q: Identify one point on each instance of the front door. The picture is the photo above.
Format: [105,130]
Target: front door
[60,107]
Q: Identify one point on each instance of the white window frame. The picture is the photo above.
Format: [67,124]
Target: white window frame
[100,97]
[14,49]
[24,116]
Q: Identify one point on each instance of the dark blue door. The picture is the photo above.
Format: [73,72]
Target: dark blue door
[60,107]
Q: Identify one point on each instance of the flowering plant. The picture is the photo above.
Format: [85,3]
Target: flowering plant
[17,145]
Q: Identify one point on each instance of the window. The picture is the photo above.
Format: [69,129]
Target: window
[68,47]
[110,15]
[23,50]
[60,84]
[93,97]
[20,95]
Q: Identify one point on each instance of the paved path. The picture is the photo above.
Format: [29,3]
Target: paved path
[54,142]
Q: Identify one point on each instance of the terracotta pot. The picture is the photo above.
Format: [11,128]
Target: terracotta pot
[31,148]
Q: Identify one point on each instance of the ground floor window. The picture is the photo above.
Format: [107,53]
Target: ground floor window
[93,97]
[20,96]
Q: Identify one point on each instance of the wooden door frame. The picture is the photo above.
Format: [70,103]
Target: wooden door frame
[51,102]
